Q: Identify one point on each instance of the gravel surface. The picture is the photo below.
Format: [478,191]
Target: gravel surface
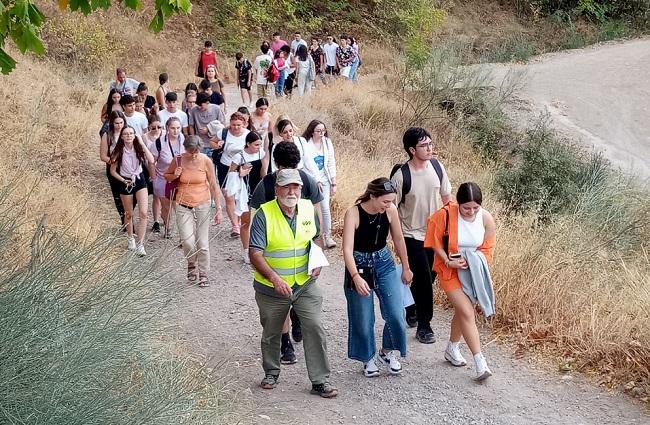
[220,325]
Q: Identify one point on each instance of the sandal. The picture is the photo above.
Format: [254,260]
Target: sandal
[191,272]
[203,282]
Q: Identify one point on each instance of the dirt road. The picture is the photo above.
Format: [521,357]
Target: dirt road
[600,95]
[221,327]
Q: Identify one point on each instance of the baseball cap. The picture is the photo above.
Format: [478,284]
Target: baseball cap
[288,176]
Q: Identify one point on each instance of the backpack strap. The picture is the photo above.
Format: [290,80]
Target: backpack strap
[224,134]
[406,181]
[158,145]
[438,168]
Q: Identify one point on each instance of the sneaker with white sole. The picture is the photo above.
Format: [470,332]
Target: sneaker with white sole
[390,360]
[132,245]
[453,356]
[141,252]
[370,369]
[329,242]
[482,370]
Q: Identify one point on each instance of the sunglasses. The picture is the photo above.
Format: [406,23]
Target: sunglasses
[388,186]
[155,127]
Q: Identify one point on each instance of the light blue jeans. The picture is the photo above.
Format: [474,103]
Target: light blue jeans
[325,208]
[279,85]
[361,310]
[354,69]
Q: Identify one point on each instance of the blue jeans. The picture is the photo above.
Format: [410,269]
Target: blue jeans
[361,310]
[279,85]
[353,71]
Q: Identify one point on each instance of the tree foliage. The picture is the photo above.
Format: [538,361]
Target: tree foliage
[21,21]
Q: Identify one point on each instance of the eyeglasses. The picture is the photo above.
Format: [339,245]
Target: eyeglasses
[319,131]
[425,145]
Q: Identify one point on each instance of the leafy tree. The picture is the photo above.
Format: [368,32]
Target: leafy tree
[21,21]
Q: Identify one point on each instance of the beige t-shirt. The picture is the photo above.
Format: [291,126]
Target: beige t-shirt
[423,199]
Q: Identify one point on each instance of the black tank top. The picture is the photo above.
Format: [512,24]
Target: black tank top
[372,232]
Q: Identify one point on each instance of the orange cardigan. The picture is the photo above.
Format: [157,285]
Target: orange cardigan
[433,239]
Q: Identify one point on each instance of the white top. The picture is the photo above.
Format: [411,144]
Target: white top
[471,233]
[303,66]
[128,86]
[306,158]
[139,122]
[261,65]
[296,43]
[165,157]
[164,115]
[330,53]
[232,145]
[245,157]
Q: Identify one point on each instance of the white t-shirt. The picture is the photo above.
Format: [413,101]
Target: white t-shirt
[296,43]
[233,145]
[128,86]
[245,157]
[164,115]
[261,65]
[139,122]
[330,53]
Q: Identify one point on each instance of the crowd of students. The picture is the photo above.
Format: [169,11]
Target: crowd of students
[193,160]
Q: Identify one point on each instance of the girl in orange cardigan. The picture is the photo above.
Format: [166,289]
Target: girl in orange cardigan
[467,226]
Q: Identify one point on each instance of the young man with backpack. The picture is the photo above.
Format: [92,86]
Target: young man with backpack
[261,67]
[422,187]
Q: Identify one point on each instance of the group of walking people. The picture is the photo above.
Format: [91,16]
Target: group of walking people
[276,182]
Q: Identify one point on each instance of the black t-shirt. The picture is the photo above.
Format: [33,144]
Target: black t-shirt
[244,68]
[265,190]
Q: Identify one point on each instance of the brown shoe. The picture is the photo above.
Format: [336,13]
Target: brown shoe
[269,382]
[324,390]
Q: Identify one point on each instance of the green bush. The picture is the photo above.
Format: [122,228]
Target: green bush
[636,11]
[83,341]
[514,48]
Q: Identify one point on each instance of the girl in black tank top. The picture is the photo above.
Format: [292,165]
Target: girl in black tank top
[371,270]
[372,233]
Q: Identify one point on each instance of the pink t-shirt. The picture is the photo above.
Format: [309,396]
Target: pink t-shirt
[276,45]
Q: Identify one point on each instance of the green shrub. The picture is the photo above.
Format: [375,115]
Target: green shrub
[83,342]
[514,48]
[612,29]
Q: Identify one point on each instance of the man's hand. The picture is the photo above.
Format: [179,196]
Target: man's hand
[281,288]
[316,272]
[203,131]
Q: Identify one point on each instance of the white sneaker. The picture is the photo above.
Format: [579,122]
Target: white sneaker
[370,369]
[247,259]
[329,242]
[482,370]
[453,356]
[390,359]
[132,246]
[141,252]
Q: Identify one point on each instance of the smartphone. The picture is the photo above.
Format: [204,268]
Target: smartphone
[455,256]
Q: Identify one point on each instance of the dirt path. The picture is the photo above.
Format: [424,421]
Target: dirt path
[221,326]
[600,95]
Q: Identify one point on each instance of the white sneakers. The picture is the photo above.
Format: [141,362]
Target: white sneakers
[138,248]
[389,359]
[453,356]
[482,370]
[370,369]
[329,242]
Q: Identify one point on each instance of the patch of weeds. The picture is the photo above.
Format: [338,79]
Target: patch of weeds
[612,29]
[514,48]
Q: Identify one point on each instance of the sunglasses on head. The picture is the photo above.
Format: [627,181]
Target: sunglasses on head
[388,186]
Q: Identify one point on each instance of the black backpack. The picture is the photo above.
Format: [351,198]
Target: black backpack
[217,153]
[406,176]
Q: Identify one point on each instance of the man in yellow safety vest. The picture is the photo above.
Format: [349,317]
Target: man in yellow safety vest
[282,232]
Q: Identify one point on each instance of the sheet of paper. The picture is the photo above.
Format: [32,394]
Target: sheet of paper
[407,296]
[317,258]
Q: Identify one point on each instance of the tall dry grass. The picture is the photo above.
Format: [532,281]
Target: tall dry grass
[577,288]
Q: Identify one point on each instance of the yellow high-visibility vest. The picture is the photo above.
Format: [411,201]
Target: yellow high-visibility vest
[286,253]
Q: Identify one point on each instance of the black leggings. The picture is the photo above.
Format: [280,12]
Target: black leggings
[421,261]
[116,187]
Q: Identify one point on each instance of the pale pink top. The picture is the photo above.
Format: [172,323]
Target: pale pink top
[130,168]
